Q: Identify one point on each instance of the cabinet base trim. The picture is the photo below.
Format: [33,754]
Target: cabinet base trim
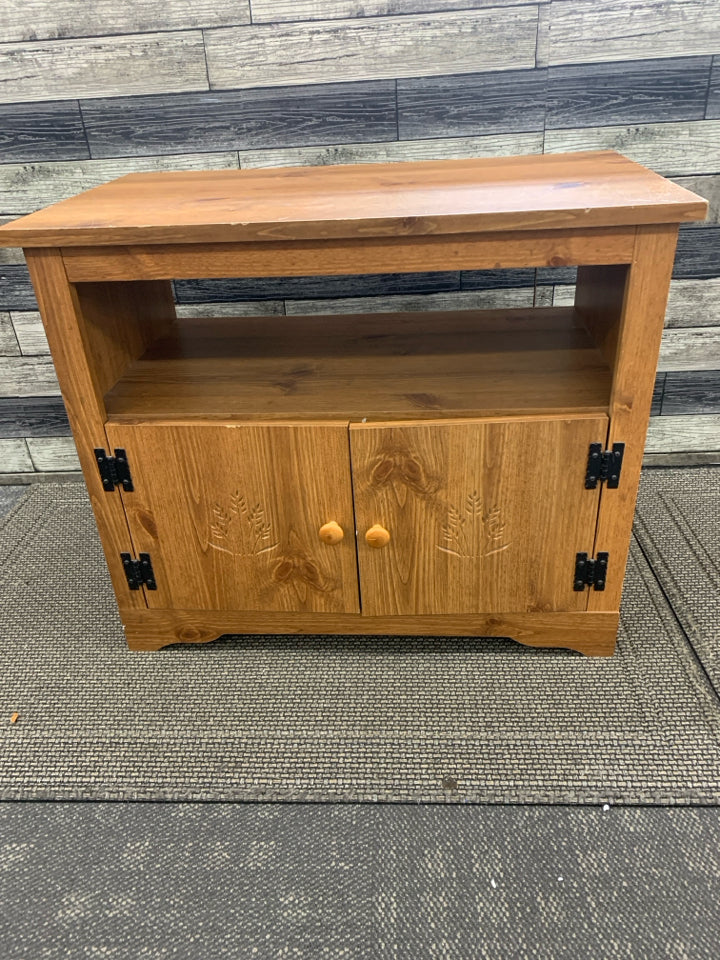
[592,633]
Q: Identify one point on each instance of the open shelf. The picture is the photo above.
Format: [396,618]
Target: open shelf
[379,366]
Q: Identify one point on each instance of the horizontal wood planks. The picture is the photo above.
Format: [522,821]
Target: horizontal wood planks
[280,11]
[371,48]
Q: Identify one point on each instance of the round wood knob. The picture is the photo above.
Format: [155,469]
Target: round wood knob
[331,532]
[377,536]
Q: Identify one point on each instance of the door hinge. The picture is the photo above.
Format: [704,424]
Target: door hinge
[138,572]
[590,573]
[604,466]
[114,470]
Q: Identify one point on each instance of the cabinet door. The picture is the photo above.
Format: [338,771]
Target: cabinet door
[483,516]
[230,514]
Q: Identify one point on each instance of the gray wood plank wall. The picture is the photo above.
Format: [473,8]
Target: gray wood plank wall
[90,92]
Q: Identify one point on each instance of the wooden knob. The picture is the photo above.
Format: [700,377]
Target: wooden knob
[377,536]
[331,532]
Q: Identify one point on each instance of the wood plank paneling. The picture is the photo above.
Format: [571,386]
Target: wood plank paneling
[683,434]
[372,48]
[694,303]
[9,346]
[658,392]
[690,348]
[278,288]
[472,104]
[582,31]
[249,308]
[249,119]
[641,91]
[709,188]
[284,11]
[16,292]
[53,454]
[42,131]
[496,145]
[493,279]
[27,187]
[33,417]
[698,252]
[713,104]
[27,377]
[458,300]
[692,392]
[40,20]
[30,333]
[102,67]
[10,254]
[672,149]
[15,457]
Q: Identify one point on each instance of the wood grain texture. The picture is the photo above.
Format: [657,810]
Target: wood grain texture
[25,187]
[242,120]
[690,348]
[472,104]
[694,303]
[658,393]
[672,149]
[30,333]
[15,457]
[258,289]
[83,400]
[53,454]
[640,91]
[698,253]
[452,300]
[239,308]
[692,392]
[426,365]
[9,254]
[713,104]
[478,522]
[574,191]
[42,131]
[686,434]
[283,11]
[583,31]
[9,346]
[371,48]
[33,417]
[638,345]
[347,257]
[37,20]
[101,67]
[27,377]
[706,186]
[239,530]
[16,292]
[590,633]
[450,148]
[495,279]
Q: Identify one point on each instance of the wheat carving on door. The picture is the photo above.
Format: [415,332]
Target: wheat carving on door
[471,531]
[240,528]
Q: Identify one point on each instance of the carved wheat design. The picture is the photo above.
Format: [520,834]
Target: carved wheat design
[471,532]
[241,530]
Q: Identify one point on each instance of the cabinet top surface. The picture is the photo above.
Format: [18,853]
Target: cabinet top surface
[537,192]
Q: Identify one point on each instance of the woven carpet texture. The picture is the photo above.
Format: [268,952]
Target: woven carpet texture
[326,719]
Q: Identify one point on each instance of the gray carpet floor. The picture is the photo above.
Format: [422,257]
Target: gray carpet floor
[441,880]
[328,719]
[358,881]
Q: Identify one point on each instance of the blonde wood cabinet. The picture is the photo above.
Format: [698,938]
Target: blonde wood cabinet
[437,473]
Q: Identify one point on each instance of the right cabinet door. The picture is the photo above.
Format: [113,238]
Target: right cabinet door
[473,516]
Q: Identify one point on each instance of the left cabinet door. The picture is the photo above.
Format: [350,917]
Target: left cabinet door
[231,514]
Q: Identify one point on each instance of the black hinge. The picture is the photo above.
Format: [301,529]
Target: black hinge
[590,573]
[138,572]
[114,470]
[604,466]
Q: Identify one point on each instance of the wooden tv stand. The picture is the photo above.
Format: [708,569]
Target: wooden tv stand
[466,473]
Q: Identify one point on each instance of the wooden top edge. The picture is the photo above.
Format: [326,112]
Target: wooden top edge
[414,198]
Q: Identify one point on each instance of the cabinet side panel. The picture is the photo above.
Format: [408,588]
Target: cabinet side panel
[83,399]
[638,346]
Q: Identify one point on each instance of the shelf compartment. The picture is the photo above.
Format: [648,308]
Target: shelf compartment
[378,366]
